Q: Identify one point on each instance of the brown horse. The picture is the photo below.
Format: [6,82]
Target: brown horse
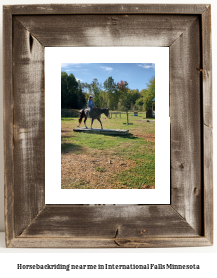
[95,114]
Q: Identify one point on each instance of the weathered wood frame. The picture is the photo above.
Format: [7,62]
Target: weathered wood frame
[188,220]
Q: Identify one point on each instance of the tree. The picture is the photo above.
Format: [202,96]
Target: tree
[87,87]
[72,95]
[110,88]
[96,91]
[122,89]
[72,90]
[129,99]
[81,97]
[147,95]
[103,99]
[64,89]
[115,91]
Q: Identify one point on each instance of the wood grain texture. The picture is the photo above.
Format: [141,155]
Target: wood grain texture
[29,223]
[185,113]
[207,122]
[106,9]
[107,30]
[109,222]
[8,125]
[150,242]
[207,67]
[208,183]
[29,131]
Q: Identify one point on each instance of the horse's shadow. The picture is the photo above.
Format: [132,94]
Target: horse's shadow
[128,136]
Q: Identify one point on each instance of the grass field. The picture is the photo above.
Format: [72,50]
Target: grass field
[103,161]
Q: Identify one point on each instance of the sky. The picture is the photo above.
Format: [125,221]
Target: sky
[136,75]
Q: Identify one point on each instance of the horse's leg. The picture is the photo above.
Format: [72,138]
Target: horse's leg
[100,122]
[80,119]
[92,122]
[85,121]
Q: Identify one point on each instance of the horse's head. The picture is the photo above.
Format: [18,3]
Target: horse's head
[106,111]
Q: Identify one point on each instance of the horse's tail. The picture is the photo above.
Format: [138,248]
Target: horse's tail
[81,116]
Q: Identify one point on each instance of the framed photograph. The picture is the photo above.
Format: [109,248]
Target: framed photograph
[40,41]
[103,164]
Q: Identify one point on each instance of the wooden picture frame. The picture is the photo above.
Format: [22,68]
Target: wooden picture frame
[186,30]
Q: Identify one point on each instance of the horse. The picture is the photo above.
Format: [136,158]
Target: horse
[94,114]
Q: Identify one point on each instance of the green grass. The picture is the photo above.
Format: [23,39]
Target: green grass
[100,169]
[137,177]
[139,123]
[136,149]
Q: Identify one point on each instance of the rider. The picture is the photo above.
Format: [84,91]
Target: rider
[90,103]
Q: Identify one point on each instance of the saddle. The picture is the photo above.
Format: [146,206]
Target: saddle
[87,113]
[91,114]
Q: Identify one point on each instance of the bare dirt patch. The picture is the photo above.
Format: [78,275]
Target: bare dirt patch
[66,133]
[145,186]
[150,137]
[91,171]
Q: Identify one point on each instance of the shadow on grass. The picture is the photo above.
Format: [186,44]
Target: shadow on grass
[129,136]
[70,147]
[67,147]
[63,136]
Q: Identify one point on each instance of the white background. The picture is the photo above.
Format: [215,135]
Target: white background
[53,192]
[206,255]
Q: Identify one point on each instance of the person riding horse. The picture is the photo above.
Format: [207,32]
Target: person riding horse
[92,112]
[90,104]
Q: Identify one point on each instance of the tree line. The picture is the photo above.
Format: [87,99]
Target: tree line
[111,94]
